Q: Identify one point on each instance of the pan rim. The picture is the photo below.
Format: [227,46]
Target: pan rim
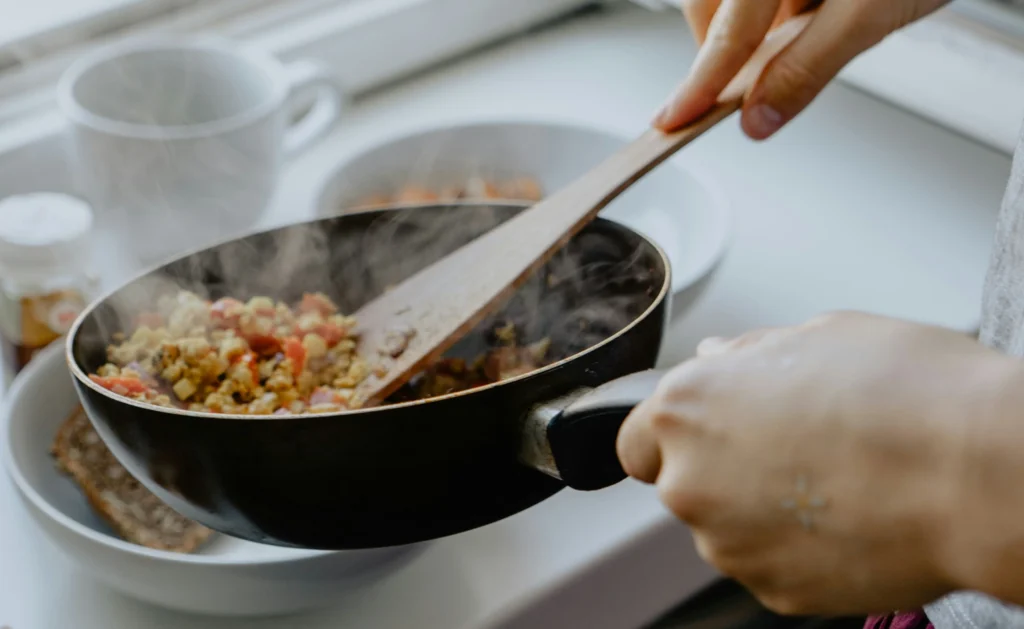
[83,378]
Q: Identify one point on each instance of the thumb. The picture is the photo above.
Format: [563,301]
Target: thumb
[716,345]
[839,32]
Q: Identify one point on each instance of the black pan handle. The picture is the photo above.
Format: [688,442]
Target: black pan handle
[573,438]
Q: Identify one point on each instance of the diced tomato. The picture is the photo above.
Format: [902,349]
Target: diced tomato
[249,358]
[226,311]
[294,351]
[121,385]
[151,320]
[263,344]
[227,306]
[323,395]
[316,302]
[330,332]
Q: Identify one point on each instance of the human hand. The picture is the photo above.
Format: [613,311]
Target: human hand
[853,425]
[729,32]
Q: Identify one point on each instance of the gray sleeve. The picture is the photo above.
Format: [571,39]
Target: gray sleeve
[967,610]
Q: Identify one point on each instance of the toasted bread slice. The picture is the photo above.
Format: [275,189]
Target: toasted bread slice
[134,513]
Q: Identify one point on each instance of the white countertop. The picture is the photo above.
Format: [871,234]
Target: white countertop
[857,205]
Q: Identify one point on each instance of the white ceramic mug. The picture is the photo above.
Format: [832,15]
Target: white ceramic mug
[179,142]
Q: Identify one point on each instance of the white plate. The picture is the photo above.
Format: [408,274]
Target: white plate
[228,577]
[682,211]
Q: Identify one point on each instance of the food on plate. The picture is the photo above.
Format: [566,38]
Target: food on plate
[264,357]
[415,194]
[135,514]
[522,188]
[474,188]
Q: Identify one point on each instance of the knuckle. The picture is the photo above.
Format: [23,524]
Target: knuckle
[836,317]
[688,505]
[754,337]
[682,383]
[625,447]
[638,452]
[726,37]
[663,419]
[712,345]
[791,79]
[732,28]
[824,318]
[871,20]
[639,469]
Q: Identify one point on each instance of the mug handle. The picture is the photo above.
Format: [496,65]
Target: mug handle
[307,75]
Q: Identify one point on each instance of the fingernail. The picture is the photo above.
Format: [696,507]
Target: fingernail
[762,121]
[668,108]
[660,116]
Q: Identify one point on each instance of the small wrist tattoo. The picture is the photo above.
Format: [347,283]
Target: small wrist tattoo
[804,504]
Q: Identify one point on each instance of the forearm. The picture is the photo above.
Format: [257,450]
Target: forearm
[982,545]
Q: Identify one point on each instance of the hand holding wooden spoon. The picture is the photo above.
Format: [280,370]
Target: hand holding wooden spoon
[412,325]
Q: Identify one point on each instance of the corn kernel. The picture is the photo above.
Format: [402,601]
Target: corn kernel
[184,389]
[315,346]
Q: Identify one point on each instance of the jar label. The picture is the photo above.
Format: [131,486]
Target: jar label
[30,323]
[62,315]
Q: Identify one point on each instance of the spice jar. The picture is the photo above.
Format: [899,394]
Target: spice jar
[45,281]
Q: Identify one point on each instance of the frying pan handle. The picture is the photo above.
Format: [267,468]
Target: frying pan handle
[573,438]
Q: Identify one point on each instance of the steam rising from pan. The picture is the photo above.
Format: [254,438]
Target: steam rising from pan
[306,258]
[354,264]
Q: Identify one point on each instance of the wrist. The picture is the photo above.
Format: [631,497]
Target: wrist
[980,539]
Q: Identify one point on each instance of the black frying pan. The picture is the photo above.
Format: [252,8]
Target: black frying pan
[415,470]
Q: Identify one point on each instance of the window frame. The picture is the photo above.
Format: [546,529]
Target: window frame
[369,42]
[73,31]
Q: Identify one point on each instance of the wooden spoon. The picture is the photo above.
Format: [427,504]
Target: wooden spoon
[414,323]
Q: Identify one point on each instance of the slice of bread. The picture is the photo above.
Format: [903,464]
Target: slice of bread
[134,513]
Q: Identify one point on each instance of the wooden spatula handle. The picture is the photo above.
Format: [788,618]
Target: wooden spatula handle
[446,300]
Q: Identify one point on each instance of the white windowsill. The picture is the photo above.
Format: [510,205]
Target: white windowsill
[954,68]
[369,43]
[49,15]
[31,26]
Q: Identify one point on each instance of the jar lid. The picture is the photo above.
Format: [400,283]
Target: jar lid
[43,233]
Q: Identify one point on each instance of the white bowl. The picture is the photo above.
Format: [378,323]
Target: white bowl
[229,577]
[683,211]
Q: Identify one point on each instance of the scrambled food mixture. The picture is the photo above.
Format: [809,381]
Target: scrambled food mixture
[256,358]
[456,374]
[264,357]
